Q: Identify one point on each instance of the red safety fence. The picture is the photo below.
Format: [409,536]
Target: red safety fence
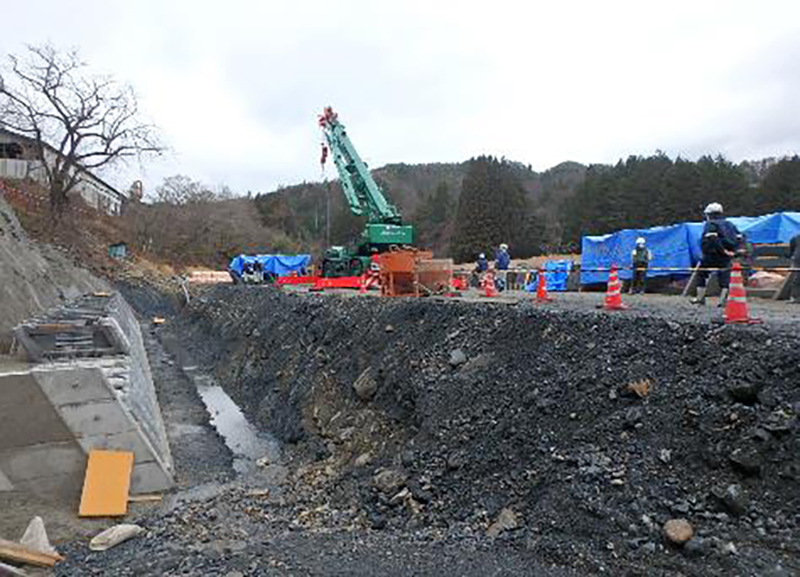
[297,280]
[351,282]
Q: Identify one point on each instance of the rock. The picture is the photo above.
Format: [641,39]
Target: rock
[665,455]
[234,574]
[263,462]
[420,494]
[377,521]
[745,393]
[455,461]
[365,385]
[401,496]
[649,547]
[362,460]
[735,500]
[695,547]
[389,481]
[114,536]
[678,531]
[730,548]
[457,358]
[35,537]
[747,462]
[633,417]
[506,521]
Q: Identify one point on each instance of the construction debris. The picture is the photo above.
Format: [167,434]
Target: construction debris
[35,537]
[16,553]
[10,571]
[113,536]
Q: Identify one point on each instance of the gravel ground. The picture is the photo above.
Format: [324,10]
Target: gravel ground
[448,437]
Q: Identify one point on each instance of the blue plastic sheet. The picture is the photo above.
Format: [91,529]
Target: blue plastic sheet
[277,264]
[557,273]
[556,276]
[675,246]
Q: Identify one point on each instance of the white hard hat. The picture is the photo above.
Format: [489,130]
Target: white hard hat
[504,246]
[481,255]
[713,208]
[640,240]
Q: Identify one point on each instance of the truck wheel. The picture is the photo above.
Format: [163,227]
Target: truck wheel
[356,267]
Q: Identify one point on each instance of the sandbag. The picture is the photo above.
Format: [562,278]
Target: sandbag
[114,536]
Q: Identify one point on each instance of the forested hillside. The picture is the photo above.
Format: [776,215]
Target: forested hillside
[462,209]
[428,196]
[642,192]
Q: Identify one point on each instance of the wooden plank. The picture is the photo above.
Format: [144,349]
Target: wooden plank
[785,290]
[17,553]
[144,499]
[691,287]
[106,485]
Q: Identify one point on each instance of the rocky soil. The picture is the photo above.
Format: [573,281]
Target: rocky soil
[439,437]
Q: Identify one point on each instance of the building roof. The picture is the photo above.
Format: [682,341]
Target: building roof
[52,149]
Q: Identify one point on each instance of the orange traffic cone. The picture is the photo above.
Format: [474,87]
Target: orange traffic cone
[736,310]
[541,288]
[490,290]
[613,301]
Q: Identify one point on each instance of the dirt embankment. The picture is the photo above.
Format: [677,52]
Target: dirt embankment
[34,277]
[571,437]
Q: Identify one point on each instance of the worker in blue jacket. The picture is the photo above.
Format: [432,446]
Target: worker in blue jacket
[719,244]
[502,261]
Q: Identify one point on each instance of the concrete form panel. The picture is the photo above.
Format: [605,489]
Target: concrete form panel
[26,415]
[96,418]
[5,484]
[38,461]
[65,386]
[149,478]
[127,441]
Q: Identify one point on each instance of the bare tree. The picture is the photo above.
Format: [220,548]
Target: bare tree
[78,121]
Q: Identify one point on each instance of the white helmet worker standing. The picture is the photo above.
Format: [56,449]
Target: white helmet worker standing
[719,242]
[640,259]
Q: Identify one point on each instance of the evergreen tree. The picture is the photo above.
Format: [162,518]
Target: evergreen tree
[781,187]
[492,209]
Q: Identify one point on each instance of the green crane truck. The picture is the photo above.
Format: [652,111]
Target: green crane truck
[385,227]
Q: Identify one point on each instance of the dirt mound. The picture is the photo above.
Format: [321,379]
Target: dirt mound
[34,277]
[573,436]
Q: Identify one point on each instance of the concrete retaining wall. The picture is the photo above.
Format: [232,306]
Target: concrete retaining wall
[55,411]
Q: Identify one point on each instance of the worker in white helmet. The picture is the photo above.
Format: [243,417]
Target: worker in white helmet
[501,263]
[640,261]
[719,243]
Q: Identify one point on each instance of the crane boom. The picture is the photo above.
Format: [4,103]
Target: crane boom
[385,227]
[363,193]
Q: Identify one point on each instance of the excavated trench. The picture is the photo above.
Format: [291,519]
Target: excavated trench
[572,436]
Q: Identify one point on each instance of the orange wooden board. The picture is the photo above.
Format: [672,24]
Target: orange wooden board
[106,485]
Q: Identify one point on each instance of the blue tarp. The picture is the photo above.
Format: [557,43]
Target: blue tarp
[676,246]
[556,275]
[277,264]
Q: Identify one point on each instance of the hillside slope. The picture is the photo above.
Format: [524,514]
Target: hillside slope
[427,195]
[34,277]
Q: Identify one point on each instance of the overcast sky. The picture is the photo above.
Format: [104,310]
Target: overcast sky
[236,85]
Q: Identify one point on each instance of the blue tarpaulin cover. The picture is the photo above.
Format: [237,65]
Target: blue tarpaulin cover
[278,264]
[676,246]
[556,275]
